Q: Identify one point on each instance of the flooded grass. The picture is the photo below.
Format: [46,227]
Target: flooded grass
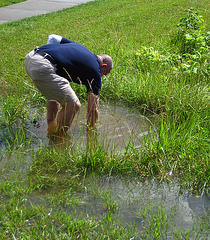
[56,199]
[57,191]
[148,178]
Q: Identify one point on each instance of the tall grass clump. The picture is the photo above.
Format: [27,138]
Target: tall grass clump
[13,121]
[181,95]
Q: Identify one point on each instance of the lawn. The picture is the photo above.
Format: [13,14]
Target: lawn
[4,3]
[160,69]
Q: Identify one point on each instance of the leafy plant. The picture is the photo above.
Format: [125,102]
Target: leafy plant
[191,36]
[190,49]
[149,59]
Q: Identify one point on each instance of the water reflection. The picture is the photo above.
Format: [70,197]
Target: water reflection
[128,197]
[132,197]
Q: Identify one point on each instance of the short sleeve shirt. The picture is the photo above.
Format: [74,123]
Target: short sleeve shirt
[76,63]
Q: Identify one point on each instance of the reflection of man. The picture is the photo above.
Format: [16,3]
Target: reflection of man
[53,66]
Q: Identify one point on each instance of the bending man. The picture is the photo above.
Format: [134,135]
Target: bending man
[53,66]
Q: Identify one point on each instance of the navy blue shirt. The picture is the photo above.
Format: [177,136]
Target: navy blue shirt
[76,63]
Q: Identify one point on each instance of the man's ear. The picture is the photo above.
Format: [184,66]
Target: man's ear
[103,65]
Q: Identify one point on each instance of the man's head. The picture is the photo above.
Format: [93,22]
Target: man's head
[106,64]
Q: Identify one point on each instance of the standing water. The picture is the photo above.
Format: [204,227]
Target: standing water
[132,200]
[116,126]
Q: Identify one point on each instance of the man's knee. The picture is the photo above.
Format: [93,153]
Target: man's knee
[73,106]
[77,105]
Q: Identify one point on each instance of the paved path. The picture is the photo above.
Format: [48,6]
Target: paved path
[35,7]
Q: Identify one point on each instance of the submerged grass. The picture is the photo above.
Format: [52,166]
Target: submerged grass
[150,73]
[42,201]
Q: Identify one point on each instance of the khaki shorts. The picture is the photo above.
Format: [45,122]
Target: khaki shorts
[50,84]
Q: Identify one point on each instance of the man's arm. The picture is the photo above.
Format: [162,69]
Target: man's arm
[92,110]
[92,116]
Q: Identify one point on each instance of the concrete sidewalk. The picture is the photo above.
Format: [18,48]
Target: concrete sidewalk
[35,7]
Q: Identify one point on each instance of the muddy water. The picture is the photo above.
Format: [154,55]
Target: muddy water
[117,126]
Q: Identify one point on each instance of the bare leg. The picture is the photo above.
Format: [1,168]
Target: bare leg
[52,112]
[66,115]
[59,122]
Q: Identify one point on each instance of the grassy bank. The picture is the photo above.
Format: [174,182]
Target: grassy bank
[4,3]
[159,68]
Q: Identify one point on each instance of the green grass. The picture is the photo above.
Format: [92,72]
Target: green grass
[4,3]
[148,75]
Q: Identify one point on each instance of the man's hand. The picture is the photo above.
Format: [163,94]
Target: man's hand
[92,116]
